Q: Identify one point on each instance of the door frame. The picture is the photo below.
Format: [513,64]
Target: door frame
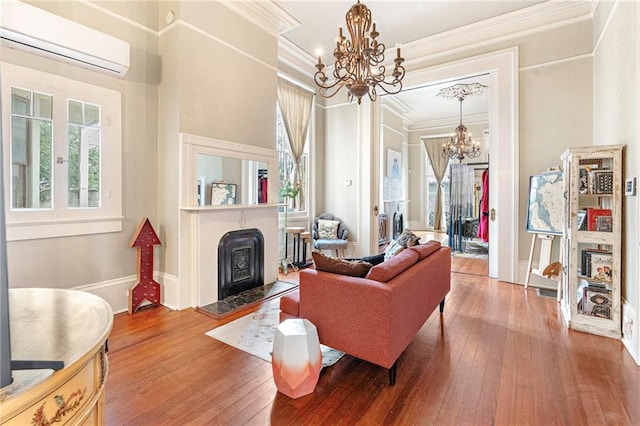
[504,152]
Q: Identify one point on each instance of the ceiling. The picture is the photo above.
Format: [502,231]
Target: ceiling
[400,22]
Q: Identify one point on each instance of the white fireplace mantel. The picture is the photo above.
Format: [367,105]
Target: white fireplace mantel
[202,227]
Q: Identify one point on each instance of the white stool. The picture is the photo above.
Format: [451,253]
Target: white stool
[296,360]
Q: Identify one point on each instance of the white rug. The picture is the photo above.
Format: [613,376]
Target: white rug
[254,333]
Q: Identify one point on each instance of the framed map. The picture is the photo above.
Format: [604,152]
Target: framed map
[223,194]
[546,203]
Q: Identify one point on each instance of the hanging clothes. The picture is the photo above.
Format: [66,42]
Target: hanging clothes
[460,203]
[483,226]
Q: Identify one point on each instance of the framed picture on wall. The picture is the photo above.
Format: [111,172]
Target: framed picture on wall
[394,162]
[223,193]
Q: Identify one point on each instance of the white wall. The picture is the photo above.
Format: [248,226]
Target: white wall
[341,153]
[615,118]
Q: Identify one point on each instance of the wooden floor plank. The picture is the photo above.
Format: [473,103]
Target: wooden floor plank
[500,355]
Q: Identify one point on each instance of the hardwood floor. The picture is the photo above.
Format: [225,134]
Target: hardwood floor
[500,355]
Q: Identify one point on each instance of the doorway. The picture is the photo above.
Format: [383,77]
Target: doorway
[501,67]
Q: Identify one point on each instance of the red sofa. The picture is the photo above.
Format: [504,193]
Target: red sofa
[376,317]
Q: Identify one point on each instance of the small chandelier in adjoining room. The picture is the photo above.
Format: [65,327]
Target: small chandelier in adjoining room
[358,61]
[461,144]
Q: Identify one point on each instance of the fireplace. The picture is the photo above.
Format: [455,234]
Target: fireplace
[240,262]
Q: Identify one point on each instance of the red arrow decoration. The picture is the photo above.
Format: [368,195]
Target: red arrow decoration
[146,289]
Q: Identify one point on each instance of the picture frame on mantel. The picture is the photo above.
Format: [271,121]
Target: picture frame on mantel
[223,193]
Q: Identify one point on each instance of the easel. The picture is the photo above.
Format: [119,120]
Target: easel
[544,260]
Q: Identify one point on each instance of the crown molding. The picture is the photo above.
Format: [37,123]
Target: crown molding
[395,105]
[291,55]
[531,20]
[450,123]
[265,14]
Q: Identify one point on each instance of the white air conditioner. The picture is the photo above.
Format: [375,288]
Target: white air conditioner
[29,28]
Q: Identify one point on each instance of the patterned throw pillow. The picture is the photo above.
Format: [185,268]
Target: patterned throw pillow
[408,239]
[328,229]
[392,249]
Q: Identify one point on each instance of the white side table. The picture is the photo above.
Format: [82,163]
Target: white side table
[296,359]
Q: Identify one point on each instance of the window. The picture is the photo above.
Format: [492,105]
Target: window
[286,167]
[63,149]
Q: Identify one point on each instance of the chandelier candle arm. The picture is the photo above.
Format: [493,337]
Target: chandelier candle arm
[358,60]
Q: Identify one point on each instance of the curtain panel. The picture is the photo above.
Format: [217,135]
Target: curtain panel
[296,105]
[433,146]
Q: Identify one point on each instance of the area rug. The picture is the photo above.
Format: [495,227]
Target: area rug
[254,334]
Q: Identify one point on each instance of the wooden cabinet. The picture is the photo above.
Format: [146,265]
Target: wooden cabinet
[591,245]
[57,325]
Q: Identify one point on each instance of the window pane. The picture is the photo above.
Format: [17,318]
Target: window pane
[30,163]
[83,151]
[42,105]
[20,101]
[91,115]
[75,112]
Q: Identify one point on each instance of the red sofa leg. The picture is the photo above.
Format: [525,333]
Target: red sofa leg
[392,373]
[442,306]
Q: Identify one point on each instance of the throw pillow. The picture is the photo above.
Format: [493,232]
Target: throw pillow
[408,239]
[328,229]
[392,249]
[352,268]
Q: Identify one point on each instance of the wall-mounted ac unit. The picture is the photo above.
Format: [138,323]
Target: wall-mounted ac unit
[29,28]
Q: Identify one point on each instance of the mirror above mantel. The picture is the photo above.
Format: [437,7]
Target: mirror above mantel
[222,174]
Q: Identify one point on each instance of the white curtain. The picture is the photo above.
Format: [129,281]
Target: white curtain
[296,105]
[433,147]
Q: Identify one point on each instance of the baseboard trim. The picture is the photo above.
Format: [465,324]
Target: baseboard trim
[116,291]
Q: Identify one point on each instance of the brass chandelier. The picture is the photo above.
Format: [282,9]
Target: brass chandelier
[358,61]
[461,144]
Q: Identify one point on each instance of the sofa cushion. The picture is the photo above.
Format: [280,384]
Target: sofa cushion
[387,270]
[427,248]
[353,268]
[328,229]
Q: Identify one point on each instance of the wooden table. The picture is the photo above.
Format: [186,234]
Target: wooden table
[57,325]
[298,259]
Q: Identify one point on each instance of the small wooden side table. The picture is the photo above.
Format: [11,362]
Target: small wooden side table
[298,259]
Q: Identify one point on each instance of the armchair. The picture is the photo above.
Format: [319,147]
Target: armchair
[324,237]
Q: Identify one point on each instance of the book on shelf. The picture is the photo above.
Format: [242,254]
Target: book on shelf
[601,269]
[596,303]
[586,263]
[582,220]
[593,214]
[602,181]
